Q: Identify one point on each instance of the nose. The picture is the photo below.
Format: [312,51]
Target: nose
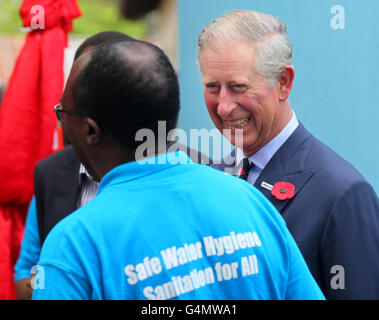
[226,103]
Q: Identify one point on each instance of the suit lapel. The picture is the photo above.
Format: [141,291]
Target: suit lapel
[67,186]
[297,179]
[287,165]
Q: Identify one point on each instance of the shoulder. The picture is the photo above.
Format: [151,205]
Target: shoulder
[304,152]
[195,155]
[331,166]
[229,161]
[223,197]
[48,167]
[335,180]
[66,235]
[68,239]
[64,156]
[358,201]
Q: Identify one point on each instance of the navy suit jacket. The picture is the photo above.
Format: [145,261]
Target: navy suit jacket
[333,217]
[56,189]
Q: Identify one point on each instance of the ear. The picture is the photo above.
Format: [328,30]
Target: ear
[93,132]
[285,82]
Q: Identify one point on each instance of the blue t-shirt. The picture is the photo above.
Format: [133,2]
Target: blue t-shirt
[30,245]
[173,231]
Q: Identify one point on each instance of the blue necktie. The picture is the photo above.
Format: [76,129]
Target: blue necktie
[246,166]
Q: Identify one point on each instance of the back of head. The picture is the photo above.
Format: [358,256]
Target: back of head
[93,41]
[101,38]
[265,32]
[127,86]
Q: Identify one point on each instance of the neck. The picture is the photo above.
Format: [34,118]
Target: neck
[284,119]
[106,156]
[113,155]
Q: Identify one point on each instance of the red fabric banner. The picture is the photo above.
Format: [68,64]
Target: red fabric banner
[27,120]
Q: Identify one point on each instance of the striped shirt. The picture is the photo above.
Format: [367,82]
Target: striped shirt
[88,187]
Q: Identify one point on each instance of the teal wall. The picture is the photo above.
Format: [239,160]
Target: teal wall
[336,88]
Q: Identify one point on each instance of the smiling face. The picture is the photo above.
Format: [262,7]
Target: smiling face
[238,97]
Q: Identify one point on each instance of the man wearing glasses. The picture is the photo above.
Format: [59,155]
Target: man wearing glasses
[61,185]
[60,112]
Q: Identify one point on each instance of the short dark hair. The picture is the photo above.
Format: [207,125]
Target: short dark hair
[127,86]
[101,38]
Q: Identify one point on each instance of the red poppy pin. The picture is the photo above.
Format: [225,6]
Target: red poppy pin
[283,190]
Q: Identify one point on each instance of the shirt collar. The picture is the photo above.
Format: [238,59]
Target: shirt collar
[264,155]
[83,171]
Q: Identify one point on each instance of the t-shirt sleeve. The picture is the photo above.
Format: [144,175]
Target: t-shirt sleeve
[30,246]
[59,283]
[60,270]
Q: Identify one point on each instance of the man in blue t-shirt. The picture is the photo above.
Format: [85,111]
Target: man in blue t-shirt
[49,205]
[160,227]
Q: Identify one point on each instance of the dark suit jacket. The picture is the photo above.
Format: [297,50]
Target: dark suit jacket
[56,189]
[334,215]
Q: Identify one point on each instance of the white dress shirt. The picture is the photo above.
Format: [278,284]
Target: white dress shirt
[264,155]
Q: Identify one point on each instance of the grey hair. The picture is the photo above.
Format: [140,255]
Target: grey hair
[265,32]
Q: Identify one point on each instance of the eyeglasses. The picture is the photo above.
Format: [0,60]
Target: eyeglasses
[61,112]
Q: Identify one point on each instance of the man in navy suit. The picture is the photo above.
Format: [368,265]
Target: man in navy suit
[330,209]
